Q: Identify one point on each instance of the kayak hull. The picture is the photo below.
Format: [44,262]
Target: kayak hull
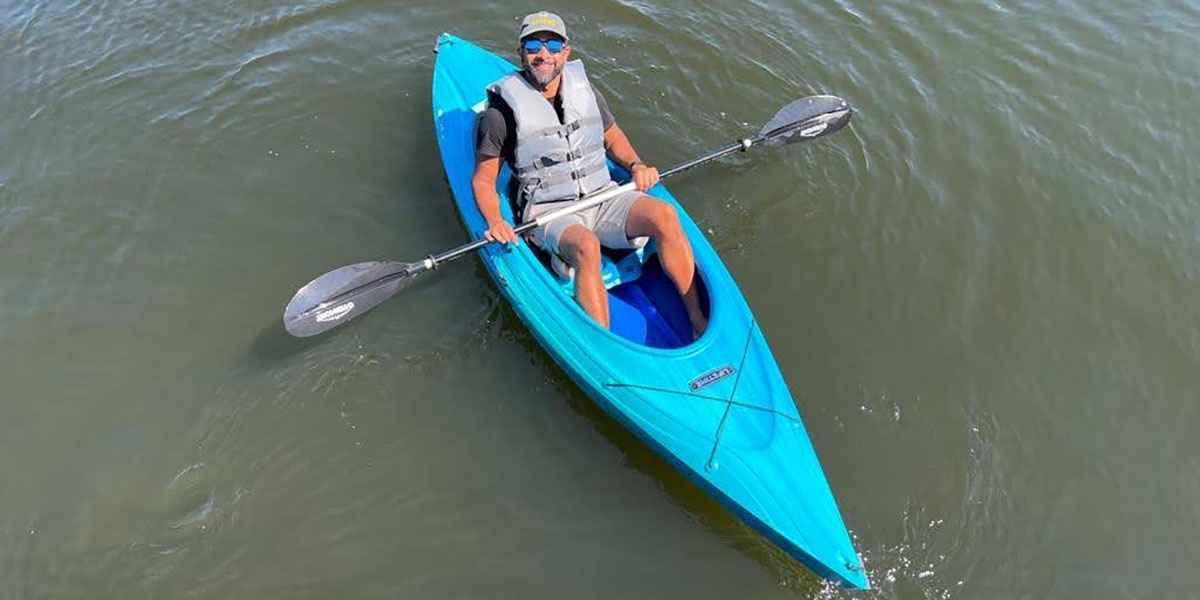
[717,409]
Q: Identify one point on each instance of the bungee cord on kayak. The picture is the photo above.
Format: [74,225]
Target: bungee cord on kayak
[728,400]
[712,456]
[735,403]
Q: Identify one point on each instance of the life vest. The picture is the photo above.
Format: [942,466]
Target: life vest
[556,160]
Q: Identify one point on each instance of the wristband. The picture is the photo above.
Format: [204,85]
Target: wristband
[636,163]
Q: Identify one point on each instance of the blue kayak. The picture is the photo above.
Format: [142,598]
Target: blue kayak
[716,408]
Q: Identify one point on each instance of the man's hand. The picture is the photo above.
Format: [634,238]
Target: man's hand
[501,231]
[644,176]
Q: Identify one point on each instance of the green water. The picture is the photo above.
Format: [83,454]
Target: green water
[984,293]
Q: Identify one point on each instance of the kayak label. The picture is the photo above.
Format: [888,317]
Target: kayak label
[710,378]
[335,313]
[814,130]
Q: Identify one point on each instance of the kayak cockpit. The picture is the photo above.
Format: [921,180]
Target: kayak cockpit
[643,305]
[650,311]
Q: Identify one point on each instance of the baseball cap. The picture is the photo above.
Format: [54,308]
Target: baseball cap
[543,21]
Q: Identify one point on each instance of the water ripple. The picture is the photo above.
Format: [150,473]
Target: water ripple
[984,287]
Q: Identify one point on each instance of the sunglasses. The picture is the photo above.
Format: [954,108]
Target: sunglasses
[535,46]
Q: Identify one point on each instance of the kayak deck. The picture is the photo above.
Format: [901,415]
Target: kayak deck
[717,408]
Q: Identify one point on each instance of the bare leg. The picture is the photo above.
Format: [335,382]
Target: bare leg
[657,219]
[580,248]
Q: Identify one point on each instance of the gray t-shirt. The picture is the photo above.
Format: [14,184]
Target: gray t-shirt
[497,134]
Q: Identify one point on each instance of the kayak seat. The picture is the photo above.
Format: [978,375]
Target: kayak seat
[616,266]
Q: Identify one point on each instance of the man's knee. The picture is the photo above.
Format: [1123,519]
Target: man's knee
[664,219]
[582,249]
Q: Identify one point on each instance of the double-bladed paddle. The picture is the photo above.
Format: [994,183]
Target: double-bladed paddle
[345,293]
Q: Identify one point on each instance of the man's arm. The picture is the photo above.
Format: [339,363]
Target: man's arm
[489,147]
[622,153]
[483,184]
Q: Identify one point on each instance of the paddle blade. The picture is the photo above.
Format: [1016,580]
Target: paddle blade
[345,293]
[805,119]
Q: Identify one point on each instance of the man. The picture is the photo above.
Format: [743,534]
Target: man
[555,130]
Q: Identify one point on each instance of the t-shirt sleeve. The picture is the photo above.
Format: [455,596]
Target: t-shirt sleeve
[606,116]
[492,134]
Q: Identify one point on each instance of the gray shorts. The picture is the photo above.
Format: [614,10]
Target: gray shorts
[607,221]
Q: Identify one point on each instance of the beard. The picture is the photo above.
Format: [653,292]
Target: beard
[539,74]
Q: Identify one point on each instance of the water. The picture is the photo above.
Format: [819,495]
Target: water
[983,291]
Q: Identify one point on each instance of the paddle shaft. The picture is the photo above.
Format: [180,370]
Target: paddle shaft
[337,296]
[435,260]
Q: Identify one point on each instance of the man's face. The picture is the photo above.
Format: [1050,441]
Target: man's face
[542,64]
